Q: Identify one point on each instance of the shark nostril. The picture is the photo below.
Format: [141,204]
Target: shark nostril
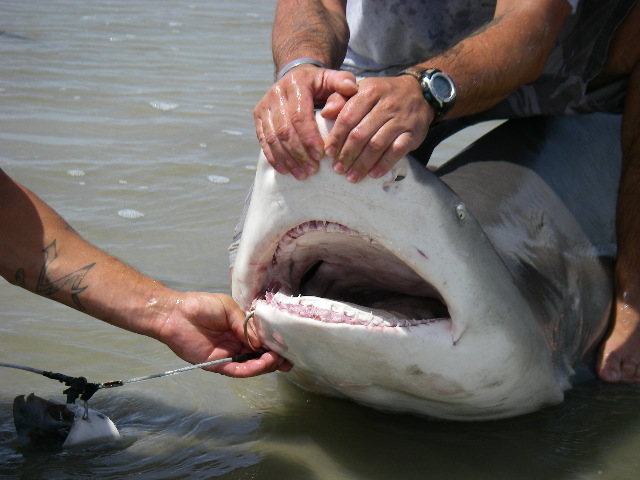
[399,173]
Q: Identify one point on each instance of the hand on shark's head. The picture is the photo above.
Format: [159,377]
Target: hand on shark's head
[368,137]
[288,134]
[376,122]
[376,127]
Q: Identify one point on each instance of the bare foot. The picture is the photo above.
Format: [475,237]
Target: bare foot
[619,359]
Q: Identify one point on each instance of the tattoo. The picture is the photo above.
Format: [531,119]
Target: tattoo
[48,288]
[457,49]
[453,51]
[20,278]
[486,26]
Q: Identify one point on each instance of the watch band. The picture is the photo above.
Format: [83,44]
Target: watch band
[415,72]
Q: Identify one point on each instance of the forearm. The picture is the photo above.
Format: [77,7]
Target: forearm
[310,28]
[508,52]
[40,252]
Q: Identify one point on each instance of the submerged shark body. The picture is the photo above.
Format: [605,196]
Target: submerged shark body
[44,424]
[478,291]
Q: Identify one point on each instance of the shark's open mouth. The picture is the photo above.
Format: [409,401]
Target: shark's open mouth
[328,272]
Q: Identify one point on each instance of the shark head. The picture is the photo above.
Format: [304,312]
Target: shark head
[390,292]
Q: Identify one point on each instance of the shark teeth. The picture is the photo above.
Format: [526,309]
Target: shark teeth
[328,311]
[288,241]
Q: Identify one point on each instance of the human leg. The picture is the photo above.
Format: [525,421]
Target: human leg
[619,359]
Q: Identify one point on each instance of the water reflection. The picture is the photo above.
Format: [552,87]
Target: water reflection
[276,430]
[578,439]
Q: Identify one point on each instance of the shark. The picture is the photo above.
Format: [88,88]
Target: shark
[479,290]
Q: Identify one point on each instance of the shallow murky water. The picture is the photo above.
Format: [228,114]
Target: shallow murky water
[133,119]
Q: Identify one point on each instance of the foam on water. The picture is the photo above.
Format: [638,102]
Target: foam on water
[218,179]
[164,106]
[234,133]
[130,213]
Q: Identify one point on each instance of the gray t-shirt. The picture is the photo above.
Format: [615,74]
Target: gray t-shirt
[388,36]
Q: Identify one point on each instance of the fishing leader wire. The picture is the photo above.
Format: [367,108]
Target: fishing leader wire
[81,387]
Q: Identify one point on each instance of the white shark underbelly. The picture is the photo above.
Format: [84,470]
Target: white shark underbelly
[474,292]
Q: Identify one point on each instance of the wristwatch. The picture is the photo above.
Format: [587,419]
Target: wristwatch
[437,88]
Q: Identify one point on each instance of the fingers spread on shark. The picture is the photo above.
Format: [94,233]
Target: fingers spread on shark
[474,292]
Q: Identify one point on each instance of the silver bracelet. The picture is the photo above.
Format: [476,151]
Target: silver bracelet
[295,63]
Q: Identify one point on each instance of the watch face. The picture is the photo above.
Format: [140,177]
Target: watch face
[440,87]
[437,88]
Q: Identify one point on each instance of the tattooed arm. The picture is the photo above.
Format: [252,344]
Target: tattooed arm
[40,252]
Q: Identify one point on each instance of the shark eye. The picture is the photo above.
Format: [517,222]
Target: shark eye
[461,210]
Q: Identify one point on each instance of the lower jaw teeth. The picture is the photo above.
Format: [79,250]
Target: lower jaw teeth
[324,310]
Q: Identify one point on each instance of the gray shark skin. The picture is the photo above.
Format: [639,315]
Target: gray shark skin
[43,424]
[478,291]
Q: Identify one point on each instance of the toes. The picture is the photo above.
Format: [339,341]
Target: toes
[609,370]
[610,375]
[616,368]
[630,370]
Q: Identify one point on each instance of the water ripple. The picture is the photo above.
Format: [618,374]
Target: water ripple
[130,213]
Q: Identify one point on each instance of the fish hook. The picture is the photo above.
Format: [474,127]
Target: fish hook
[247,324]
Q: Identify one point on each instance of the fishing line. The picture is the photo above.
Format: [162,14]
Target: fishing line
[80,387]
[242,357]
